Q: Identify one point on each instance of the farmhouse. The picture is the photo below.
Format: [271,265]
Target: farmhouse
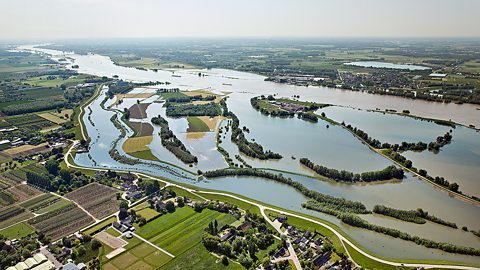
[4,144]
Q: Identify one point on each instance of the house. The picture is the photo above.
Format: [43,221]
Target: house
[117,225]
[321,259]
[302,246]
[127,177]
[297,240]
[282,218]
[228,235]
[292,230]
[245,226]
[307,234]
[280,253]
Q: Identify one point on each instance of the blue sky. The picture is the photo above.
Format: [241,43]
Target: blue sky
[240,18]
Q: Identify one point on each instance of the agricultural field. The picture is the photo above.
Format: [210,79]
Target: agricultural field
[136,144]
[27,149]
[99,200]
[45,203]
[168,95]
[139,111]
[195,124]
[18,175]
[22,192]
[13,214]
[17,231]
[61,222]
[179,231]
[198,257]
[100,226]
[6,199]
[57,117]
[141,129]
[139,255]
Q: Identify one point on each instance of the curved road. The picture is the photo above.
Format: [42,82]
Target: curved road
[263,208]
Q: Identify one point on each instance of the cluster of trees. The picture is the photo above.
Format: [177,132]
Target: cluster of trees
[251,149]
[29,107]
[329,203]
[150,186]
[172,143]
[404,146]
[120,87]
[257,105]
[210,109]
[354,220]
[56,179]
[10,255]
[244,247]
[186,99]
[388,173]
[416,216]
[308,117]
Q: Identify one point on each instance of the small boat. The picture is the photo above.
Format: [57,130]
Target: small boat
[294,157]
[229,84]
[178,76]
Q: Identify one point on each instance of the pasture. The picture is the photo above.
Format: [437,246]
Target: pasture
[17,231]
[179,231]
[139,255]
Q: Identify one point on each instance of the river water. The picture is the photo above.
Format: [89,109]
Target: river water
[333,147]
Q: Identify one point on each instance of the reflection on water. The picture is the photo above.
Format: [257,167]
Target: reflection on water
[333,147]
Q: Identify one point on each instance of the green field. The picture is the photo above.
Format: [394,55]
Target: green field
[166,96]
[198,258]
[17,231]
[145,154]
[100,225]
[196,124]
[241,204]
[183,230]
[139,255]
[183,192]
[148,213]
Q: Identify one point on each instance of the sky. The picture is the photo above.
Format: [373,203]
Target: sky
[57,19]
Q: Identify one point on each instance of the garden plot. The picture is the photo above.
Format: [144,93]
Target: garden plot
[99,200]
[61,222]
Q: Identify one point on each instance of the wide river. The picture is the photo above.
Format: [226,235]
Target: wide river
[333,147]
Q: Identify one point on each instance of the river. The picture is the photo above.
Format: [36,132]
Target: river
[333,147]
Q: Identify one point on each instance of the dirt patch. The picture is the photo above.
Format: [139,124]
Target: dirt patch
[210,121]
[110,240]
[136,144]
[57,118]
[141,129]
[138,111]
[195,135]
[27,149]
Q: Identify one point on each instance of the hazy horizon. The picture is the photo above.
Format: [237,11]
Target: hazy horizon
[105,19]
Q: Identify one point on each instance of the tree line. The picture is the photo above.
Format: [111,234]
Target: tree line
[172,143]
[418,216]
[354,220]
[186,99]
[331,205]
[388,173]
[211,109]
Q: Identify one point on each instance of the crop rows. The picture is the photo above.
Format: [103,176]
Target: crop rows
[97,199]
[61,222]
[28,121]
[23,192]
[41,201]
[10,212]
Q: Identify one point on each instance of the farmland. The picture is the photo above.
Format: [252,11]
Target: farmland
[195,124]
[61,222]
[182,229]
[17,231]
[138,111]
[139,255]
[56,117]
[22,192]
[45,203]
[140,129]
[13,214]
[99,200]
